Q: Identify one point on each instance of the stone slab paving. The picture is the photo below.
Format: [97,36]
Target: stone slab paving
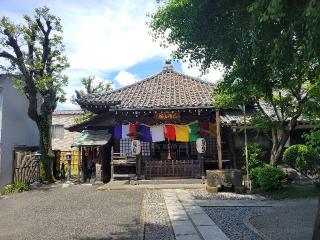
[188,220]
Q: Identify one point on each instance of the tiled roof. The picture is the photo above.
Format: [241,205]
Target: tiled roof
[67,112]
[235,116]
[167,89]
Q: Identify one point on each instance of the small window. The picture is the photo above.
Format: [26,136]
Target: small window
[57,131]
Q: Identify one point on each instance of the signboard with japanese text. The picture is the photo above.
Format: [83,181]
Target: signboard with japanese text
[167,116]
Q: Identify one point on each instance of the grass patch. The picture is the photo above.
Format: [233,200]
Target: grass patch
[18,187]
[294,191]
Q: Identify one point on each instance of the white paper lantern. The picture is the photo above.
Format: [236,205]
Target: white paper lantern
[201,145]
[136,147]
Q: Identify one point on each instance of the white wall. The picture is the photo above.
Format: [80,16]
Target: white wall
[17,128]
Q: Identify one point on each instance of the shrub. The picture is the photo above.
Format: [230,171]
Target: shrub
[9,188]
[303,158]
[255,156]
[270,178]
[18,187]
[267,178]
[254,177]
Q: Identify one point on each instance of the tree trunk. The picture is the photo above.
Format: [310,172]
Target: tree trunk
[44,126]
[278,144]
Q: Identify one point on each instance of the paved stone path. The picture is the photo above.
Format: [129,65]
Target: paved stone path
[76,213]
[188,220]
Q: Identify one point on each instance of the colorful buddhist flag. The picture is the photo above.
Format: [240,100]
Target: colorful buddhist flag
[170,132]
[182,133]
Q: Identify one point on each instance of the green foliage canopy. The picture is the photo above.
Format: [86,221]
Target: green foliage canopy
[269,50]
[35,54]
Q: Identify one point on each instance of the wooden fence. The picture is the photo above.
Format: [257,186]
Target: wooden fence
[25,169]
[172,168]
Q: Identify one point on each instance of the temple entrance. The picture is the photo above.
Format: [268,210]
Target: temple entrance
[169,158]
[172,159]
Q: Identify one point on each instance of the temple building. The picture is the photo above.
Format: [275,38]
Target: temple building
[167,112]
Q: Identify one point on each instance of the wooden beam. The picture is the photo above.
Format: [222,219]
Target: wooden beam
[219,140]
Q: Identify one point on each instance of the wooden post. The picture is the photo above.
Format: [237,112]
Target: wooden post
[111,165]
[201,159]
[219,140]
[138,165]
[79,162]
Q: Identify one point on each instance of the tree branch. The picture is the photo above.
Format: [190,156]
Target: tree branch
[7,55]
[30,87]
[45,45]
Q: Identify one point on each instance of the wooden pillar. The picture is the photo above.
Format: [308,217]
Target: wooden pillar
[219,140]
[79,163]
[138,165]
[111,165]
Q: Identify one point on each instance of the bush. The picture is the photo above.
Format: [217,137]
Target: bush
[9,188]
[255,156]
[267,178]
[303,158]
[18,187]
[254,177]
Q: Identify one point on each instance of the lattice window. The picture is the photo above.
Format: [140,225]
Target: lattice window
[193,149]
[125,147]
[211,147]
[145,149]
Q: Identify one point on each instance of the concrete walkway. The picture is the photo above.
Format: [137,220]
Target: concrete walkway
[145,184]
[188,220]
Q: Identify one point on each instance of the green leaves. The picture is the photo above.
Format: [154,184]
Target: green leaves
[35,50]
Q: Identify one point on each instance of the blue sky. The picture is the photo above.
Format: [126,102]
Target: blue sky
[108,39]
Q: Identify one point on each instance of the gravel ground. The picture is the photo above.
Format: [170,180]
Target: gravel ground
[230,221]
[293,222]
[157,222]
[77,212]
[202,194]
[291,219]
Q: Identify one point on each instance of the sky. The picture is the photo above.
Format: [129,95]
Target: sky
[108,39]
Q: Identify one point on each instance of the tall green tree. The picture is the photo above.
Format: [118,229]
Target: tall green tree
[269,50]
[35,59]
[92,87]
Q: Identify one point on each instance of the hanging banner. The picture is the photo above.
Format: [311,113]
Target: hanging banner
[167,116]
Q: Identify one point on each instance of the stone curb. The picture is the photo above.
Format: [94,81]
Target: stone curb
[141,231]
[246,222]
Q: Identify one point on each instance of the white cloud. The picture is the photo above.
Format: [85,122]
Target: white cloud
[110,36]
[125,78]
[213,74]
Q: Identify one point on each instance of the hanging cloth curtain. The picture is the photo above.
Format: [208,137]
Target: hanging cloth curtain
[144,130]
[213,130]
[182,133]
[194,129]
[157,133]
[132,131]
[170,132]
[125,131]
[204,129]
[118,131]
